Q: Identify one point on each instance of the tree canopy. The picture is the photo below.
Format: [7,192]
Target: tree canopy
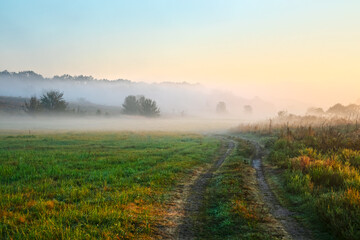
[33,106]
[53,101]
[140,106]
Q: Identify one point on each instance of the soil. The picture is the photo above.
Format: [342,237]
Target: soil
[280,213]
[188,198]
[189,195]
[196,195]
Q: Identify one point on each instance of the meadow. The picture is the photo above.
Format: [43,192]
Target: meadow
[93,185]
[233,208]
[315,172]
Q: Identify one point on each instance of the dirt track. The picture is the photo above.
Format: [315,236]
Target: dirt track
[189,198]
[195,197]
[280,213]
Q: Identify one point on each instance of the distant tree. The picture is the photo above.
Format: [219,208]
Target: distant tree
[282,113]
[131,105]
[315,111]
[221,107]
[148,107]
[33,106]
[53,101]
[248,109]
[98,112]
[140,106]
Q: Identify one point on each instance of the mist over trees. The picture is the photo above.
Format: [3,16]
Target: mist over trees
[339,110]
[33,106]
[221,108]
[315,111]
[176,99]
[248,109]
[51,101]
[131,105]
[140,106]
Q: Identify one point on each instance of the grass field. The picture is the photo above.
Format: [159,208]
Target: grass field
[315,172]
[92,185]
[232,206]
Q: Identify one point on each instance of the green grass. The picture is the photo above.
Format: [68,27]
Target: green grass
[92,185]
[319,178]
[231,210]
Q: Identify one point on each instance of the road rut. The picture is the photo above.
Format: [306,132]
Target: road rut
[195,198]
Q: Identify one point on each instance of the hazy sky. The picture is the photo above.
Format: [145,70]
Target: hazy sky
[301,49]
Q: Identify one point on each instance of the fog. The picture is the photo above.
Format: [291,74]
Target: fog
[30,125]
[96,105]
[174,99]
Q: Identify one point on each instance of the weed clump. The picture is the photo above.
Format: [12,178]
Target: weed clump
[322,169]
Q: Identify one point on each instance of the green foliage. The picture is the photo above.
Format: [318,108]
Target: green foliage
[148,107]
[246,149]
[284,149]
[342,210]
[33,106]
[93,185]
[140,106]
[53,101]
[229,210]
[322,171]
[349,156]
[298,182]
[130,105]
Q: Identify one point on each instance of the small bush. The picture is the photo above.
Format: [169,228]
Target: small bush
[341,210]
[298,182]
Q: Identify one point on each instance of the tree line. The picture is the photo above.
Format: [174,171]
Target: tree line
[54,102]
[51,101]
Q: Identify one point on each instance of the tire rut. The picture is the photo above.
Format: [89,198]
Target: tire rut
[280,213]
[195,199]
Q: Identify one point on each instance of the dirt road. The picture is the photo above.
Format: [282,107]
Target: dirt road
[280,213]
[195,197]
[190,194]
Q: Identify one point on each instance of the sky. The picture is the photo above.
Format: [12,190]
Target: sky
[304,50]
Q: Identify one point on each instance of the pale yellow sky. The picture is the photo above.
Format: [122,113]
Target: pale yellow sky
[303,50]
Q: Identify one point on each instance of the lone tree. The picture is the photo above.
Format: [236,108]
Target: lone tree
[33,106]
[131,105]
[148,107]
[53,101]
[248,109]
[221,108]
[140,106]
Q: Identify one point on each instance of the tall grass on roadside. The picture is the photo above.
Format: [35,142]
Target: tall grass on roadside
[323,170]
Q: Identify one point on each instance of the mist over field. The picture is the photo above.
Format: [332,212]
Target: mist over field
[97,104]
[183,106]
[179,119]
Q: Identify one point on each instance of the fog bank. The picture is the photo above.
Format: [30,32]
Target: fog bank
[174,99]
[26,124]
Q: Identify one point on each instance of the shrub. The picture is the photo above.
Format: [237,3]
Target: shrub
[298,182]
[341,210]
[33,106]
[350,156]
